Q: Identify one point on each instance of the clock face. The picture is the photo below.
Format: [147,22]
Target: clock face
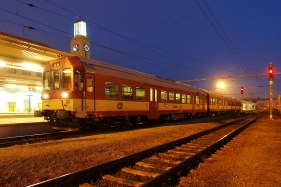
[86,47]
[75,47]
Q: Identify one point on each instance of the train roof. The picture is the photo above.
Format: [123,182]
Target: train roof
[98,67]
[104,68]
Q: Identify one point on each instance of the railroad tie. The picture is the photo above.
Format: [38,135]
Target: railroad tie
[138,172]
[121,181]
[165,160]
[145,165]
[86,185]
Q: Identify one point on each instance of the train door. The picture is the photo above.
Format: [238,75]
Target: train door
[153,103]
[90,93]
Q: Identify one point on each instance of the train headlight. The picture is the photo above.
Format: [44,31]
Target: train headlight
[64,95]
[46,96]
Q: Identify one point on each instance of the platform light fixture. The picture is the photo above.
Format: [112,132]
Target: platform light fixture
[2,64]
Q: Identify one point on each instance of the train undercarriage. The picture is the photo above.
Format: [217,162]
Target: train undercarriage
[61,119]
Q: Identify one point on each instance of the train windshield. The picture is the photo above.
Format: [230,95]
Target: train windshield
[47,80]
[66,79]
[57,80]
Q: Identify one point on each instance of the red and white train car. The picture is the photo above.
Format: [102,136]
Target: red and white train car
[91,92]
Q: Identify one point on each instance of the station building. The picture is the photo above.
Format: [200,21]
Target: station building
[21,65]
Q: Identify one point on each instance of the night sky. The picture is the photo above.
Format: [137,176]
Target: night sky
[178,40]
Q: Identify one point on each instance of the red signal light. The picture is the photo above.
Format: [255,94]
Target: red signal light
[270,72]
[242,90]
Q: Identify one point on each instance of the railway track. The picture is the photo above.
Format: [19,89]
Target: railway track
[9,141]
[157,166]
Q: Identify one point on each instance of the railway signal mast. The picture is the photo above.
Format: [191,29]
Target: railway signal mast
[270,78]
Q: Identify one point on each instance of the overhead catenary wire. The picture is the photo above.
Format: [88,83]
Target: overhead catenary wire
[218,33]
[225,36]
[99,45]
[137,42]
[122,52]
[140,43]
[228,39]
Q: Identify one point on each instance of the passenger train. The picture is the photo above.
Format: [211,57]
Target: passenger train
[84,92]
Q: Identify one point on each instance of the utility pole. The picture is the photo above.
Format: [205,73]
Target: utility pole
[270,77]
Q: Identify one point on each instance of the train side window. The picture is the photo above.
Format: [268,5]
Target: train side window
[56,79]
[111,90]
[189,99]
[140,93]
[127,92]
[155,95]
[164,96]
[151,94]
[66,79]
[197,100]
[89,83]
[178,97]
[171,97]
[183,98]
[202,100]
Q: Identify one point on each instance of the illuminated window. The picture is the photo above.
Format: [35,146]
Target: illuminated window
[111,90]
[12,70]
[26,72]
[189,100]
[140,93]
[151,94]
[80,28]
[127,91]
[38,74]
[197,100]
[178,97]
[183,98]
[90,83]
[56,79]
[47,81]
[78,81]
[164,96]
[66,79]
[171,97]
[155,95]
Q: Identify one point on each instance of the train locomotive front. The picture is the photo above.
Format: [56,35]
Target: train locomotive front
[63,90]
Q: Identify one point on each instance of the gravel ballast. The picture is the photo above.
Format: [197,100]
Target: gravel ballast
[23,165]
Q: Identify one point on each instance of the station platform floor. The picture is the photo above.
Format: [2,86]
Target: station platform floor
[15,118]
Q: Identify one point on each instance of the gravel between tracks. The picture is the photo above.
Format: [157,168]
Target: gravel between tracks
[23,165]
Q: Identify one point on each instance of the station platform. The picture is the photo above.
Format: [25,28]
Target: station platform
[19,124]
[16,115]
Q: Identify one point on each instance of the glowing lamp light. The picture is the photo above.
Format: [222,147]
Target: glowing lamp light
[221,85]
[31,66]
[2,64]
[46,96]
[10,85]
[80,28]
[38,88]
[64,94]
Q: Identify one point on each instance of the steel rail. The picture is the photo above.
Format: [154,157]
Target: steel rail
[94,172]
[181,166]
[9,141]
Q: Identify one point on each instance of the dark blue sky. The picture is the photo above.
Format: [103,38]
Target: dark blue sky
[183,43]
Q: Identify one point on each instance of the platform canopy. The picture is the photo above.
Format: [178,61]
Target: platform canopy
[24,54]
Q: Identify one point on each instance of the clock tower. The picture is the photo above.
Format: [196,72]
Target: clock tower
[80,43]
